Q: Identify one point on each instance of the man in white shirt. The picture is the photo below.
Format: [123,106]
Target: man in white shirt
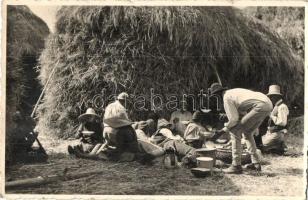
[196,134]
[245,110]
[273,140]
[118,131]
[180,118]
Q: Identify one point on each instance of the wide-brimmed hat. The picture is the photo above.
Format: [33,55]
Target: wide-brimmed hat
[215,88]
[122,96]
[143,124]
[274,90]
[162,123]
[89,113]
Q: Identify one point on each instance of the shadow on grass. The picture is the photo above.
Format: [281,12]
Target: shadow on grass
[119,179]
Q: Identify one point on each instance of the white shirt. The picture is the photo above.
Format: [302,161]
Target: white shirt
[195,131]
[183,117]
[238,101]
[280,114]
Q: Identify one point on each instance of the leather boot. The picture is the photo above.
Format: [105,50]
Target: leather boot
[253,166]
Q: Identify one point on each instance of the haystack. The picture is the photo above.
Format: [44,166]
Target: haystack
[173,50]
[281,19]
[25,41]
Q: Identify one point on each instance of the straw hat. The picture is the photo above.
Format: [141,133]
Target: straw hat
[89,113]
[123,96]
[216,87]
[274,90]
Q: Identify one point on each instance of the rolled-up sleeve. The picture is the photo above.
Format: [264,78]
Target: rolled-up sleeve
[231,112]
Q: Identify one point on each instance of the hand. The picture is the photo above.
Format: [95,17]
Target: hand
[217,134]
[222,116]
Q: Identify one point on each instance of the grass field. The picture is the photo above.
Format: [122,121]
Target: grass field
[281,175]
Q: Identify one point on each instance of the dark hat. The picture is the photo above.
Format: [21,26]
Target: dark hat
[197,116]
[215,88]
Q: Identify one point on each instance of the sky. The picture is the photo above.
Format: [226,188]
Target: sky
[46,13]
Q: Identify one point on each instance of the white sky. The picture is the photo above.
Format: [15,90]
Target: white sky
[46,13]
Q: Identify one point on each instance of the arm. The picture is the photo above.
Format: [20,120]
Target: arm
[282,117]
[168,134]
[232,114]
[207,134]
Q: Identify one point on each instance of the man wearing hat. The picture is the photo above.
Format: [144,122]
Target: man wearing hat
[195,134]
[90,132]
[245,110]
[273,140]
[118,130]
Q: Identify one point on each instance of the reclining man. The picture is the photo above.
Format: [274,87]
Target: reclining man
[245,110]
[164,138]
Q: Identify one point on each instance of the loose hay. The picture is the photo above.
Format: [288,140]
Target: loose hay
[170,49]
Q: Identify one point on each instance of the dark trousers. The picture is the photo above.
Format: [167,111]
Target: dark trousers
[124,139]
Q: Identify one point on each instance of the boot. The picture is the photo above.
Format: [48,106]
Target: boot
[233,169]
[253,166]
[70,150]
[189,161]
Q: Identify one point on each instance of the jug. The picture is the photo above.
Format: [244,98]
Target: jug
[170,159]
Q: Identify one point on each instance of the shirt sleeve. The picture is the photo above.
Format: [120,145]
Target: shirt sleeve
[188,131]
[231,112]
[282,117]
[207,134]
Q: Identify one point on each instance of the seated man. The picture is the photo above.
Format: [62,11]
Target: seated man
[179,119]
[195,134]
[273,140]
[90,132]
[118,131]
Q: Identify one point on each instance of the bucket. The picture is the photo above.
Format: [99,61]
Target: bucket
[207,152]
[205,162]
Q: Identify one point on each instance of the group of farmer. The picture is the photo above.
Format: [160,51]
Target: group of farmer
[116,137]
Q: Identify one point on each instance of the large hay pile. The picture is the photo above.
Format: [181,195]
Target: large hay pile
[171,49]
[281,19]
[25,41]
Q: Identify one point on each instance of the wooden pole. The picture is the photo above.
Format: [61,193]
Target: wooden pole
[217,74]
[48,179]
[43,91]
